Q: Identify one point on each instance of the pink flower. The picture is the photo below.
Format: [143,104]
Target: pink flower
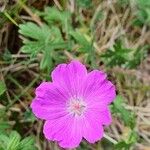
[74,104]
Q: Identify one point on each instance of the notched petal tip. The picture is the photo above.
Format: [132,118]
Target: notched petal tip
[68,74]
[76,62]
[94,137]
[77,65]
[69,145]
[106,117]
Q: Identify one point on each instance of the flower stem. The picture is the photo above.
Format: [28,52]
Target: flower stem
[110,139]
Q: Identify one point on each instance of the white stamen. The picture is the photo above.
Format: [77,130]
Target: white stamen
[76,106]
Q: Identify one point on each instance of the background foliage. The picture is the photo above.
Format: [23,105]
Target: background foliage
[35,36]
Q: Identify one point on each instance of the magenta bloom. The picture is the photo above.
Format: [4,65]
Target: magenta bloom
[74,104]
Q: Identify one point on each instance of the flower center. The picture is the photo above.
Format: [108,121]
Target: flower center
[76,107]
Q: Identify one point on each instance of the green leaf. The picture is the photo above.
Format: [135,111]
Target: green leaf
[41,39]
[32,47]
[28,116]
[125,115]
[143,12]
[120,145]
[4,140]
[4,125]
[84,3]
[123,57]
[34,31]
[123,2]
[14,140]
[56,41]
[85,45]
[143,3]
[7,56]
[127,143]
[53,15]
[45,62]
[27,141]
[138,57]
[117,56]
[37,37]
[27,144]
[2,87]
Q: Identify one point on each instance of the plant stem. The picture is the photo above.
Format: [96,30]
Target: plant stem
[10,18]
[110,139]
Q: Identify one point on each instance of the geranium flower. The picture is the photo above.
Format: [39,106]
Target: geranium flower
[74,105]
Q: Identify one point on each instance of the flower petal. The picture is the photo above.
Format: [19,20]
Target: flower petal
[97,87]
[105,117]
[94,119]
[70,76]
[66,131]
[43,110]
[50,101]
[93,129]
[50,92]
[102,112]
